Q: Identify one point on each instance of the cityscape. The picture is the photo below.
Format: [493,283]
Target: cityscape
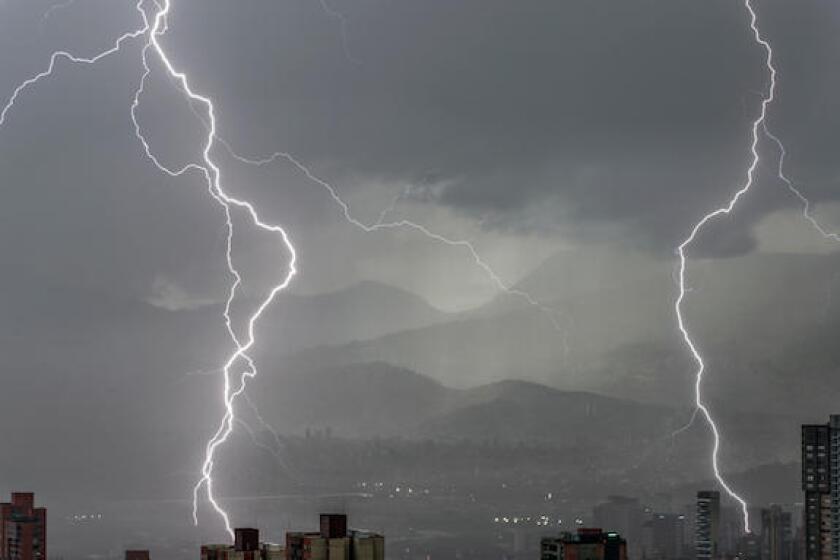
[704,530]
[419,280]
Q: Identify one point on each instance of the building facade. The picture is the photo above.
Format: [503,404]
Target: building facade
[664,537]
[366,546]
[246,546]
[776,534]
[585,544]
[23,529]
[707,525]
[748,547]
[625,516]
[819,483]
[335,542]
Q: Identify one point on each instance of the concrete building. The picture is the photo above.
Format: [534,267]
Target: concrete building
[664,537]
[707,525]
[335,542]
[269,551]
[23,529]
[215,551]
[246,540]
[731,529]
[333,525]
[246,546]
[585,544]
[624,516]
[749,547]
[819,476]
[776,534]
[367,546]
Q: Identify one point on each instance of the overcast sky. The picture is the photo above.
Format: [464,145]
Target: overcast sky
[597,130]
[527,128]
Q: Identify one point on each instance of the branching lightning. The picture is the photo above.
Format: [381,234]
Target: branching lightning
[212,175]
[381,225]
[239,365]
[342,22]
[55,8]
[278,442]
[806,204]
[757,127]
[64,55]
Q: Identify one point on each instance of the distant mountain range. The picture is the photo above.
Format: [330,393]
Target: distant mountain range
[760,320]
[373,360]
[379,400]
[364,311]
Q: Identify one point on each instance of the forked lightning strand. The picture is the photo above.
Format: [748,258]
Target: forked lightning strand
[806,204]
[59,55]
[757,127]
[342,22]
[212,174]
[239,366]
[382,225]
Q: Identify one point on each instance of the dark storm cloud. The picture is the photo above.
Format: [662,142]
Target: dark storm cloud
[631,114]
[605,120]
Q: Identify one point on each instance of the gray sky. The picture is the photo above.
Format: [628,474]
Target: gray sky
[526,129]
[591,134]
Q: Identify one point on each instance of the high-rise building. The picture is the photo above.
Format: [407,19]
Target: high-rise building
[749,547]
[664,537]
[731,530]
[820,449]
[623,515]
[246,546]
[272,552]
[366,546]
[216,551]
[585,544]
[707,525]
[334,542]
[246,540]
[333,525]
[776,534]
[23,529]
[136,555]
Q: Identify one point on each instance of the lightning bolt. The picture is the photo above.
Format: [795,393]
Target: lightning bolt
[239,366]
[64,55]
[393,206]
[212,174]
[404,224]
[806,204]
[278,442]
[758,126]
[342,22]
[55,8]
[252,434]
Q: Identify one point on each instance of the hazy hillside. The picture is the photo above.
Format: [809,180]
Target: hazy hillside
[360,312]
[151,373]
[412,405]
[360,400]
[136,388]
[618,334]
[409,405]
